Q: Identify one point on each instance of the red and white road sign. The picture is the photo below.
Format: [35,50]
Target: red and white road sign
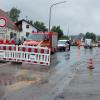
[2,22]
[3,29]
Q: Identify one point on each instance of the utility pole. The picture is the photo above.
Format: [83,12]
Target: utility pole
[51,11]
[68,30]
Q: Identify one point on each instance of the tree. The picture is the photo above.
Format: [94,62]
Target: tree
[98,38]
[58,30]
[14,14]
[90,36]
[64,37]
[40,25]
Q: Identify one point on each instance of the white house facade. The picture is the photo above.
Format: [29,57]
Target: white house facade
[25,28]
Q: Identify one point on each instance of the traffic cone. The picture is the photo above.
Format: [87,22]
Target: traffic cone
[90,64]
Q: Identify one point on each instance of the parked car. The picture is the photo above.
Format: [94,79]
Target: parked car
[63,45]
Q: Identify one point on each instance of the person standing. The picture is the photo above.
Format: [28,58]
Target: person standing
[69,44]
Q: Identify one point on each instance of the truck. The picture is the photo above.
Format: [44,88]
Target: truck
[43,39]
[88,43]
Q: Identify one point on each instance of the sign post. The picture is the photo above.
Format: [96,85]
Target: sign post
[3,29]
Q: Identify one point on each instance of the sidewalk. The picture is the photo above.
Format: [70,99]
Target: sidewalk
[85,85]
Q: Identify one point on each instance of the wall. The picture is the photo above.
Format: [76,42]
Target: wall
[24,29]
[7,33]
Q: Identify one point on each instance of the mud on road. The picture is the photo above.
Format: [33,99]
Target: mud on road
[17,75]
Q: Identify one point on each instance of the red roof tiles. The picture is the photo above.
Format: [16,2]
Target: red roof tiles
[9,22]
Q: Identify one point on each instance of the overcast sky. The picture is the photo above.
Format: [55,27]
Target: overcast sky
[80,15]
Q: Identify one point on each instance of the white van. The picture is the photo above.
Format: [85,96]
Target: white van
[88,43]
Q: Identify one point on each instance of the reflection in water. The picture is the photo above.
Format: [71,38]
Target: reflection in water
[90,73]
[78,54]
[67,56]
[88,51]
[91,51]
[55,60]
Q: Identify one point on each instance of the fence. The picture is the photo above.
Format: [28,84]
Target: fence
[30,54]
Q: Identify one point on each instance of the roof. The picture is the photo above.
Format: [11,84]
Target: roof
[28,23]
[73,36]
[80,36]
[77,37]
[9,23]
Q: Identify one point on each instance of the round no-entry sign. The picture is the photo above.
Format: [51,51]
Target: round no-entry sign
[2,22]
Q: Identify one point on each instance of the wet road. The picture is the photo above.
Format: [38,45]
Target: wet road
[85,85]
[62,70]
[64,61]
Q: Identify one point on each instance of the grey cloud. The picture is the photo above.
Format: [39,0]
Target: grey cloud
[81,15]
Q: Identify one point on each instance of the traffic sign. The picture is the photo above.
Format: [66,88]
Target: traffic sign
[2,22]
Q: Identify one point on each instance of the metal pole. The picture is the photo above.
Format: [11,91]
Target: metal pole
[50,19]
[68,30]
[50,13]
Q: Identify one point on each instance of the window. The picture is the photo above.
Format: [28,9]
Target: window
[27,34]
[14,34]
[27,26]
[11,35]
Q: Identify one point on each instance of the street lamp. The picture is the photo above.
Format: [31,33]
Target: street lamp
[50,12]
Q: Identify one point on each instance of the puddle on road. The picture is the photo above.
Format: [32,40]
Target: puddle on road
[90,72]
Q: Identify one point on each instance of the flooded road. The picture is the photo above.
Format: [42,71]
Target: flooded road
[67,64]
[62,70]
[85,84]
[65,60]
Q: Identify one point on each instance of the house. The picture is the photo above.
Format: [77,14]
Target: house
[11,28]
[79,37]
[72,38]
[25,27]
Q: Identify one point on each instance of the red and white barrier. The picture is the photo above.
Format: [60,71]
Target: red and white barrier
[90,64]
[30,54]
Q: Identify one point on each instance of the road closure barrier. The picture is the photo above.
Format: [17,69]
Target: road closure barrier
[90,64]
[29,54]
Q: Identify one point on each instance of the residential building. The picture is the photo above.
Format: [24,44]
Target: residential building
[10,27]
[79,37]
[25,27]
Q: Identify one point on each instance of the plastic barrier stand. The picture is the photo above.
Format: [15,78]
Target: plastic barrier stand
[30,54]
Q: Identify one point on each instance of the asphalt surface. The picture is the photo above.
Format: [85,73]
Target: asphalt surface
[64,68]
[86,83]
